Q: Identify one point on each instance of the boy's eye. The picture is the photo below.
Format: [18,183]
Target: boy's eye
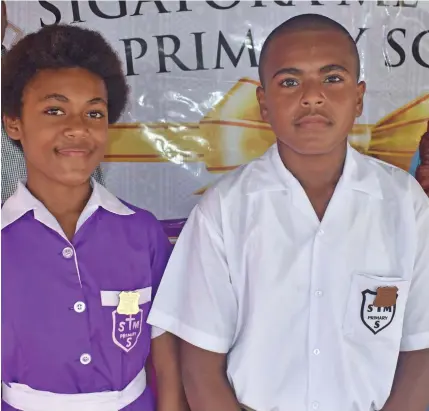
[96,114]
[290,82]
[333,79]
[54,112]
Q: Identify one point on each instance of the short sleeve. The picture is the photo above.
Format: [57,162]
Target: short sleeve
[415,334]
[160,253]
[196,301]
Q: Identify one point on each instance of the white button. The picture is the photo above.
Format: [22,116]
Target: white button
[316,351]
[68,252]
[85,359]
[320,232]
[318,293]
[79,307]
[315,405]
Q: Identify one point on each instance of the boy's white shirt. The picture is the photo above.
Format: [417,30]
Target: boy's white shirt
[255,274]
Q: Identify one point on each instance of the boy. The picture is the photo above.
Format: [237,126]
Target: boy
[80,268]
[300,277]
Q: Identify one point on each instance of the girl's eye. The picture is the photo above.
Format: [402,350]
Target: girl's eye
[95,114]
[290,82]
[54,112]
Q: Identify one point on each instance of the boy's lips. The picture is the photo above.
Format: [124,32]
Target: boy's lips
[313,121]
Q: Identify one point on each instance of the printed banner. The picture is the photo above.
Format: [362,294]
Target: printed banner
[192,68]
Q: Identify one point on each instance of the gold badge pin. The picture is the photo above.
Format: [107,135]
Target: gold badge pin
[386,296]
[128,303]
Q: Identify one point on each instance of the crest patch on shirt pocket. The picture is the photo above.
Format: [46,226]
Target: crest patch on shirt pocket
[375,307]
[127,318]
[374,316]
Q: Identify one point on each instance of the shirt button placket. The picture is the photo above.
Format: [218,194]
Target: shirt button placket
[68,253]
[79,306]
[315,301]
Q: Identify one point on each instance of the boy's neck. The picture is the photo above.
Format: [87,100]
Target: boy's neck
[65,203]
[315,172]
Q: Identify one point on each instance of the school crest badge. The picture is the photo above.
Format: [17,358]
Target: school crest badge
[126,329]
[128,302]
[376,317]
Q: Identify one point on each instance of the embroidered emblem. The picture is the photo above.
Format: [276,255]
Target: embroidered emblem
[377,318]
[127,329]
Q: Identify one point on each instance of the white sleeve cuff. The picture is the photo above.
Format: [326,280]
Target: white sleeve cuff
[156,332]
[415,342]
[191,335]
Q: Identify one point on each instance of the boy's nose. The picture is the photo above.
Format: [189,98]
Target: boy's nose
[312,96]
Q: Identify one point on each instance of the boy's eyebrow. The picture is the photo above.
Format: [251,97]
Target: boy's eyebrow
[333,67]
[325,69]
[288,70]
[64,99]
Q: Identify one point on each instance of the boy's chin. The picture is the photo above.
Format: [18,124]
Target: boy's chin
[312,149]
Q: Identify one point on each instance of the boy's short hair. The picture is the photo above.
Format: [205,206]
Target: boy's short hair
[62,47]
[306,22]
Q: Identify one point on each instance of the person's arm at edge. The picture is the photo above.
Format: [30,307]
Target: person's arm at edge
[165,361]
[196,303]
[204,378]
[411,385]
[410,391]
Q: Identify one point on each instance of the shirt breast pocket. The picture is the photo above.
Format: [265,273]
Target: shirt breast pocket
[375,309]
[128,315]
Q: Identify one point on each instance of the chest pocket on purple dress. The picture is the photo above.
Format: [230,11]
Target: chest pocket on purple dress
[128,316]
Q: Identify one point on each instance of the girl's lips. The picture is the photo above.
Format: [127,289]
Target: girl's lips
[71,152]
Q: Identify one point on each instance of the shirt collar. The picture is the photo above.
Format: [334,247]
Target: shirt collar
[101,197]
[22,201]
[270,174]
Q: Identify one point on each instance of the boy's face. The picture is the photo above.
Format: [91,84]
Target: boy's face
[63,126]
[310,95]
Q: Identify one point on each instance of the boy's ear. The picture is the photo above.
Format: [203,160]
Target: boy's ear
[13,127]
[361,88]
[260,95]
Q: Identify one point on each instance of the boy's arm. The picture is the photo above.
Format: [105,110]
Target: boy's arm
[165,361]
[204,377]
[197,303]
[410,390]
[411,386]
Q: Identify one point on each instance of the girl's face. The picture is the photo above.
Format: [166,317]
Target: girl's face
[63,127]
